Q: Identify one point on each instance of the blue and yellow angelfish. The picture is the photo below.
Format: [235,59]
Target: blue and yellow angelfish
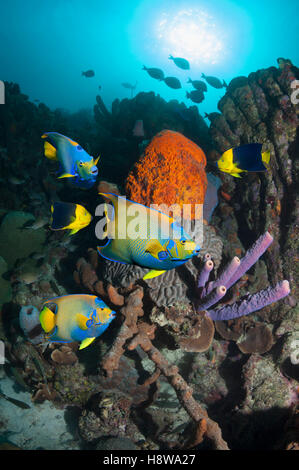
[74,162]
[164,245]
[77,317]
[245,158]
[69,216]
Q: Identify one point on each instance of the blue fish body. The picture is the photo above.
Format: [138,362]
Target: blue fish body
[74,162]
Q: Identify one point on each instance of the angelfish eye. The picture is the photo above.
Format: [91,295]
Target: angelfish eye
[183,241]
[79,147]
[80,163]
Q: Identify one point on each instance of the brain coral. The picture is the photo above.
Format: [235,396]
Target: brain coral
[171,171]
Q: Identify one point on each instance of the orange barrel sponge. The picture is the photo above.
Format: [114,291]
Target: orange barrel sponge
[170,171]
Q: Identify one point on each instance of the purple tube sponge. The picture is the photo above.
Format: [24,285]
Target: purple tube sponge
[210,293]
[251,303]
[251,257]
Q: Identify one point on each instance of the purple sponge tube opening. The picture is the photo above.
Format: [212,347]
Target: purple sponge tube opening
[251,303]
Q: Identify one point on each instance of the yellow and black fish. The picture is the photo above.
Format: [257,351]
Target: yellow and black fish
[69,216]
[245,158]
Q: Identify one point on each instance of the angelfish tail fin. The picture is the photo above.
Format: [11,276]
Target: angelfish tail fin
[50,151]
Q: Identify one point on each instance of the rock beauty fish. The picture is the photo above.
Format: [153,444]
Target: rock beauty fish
[69,216]
[77,317]
[162,246]
[245,158]
[74,162]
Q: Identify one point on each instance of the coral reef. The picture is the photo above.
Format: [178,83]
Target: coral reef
[258,108]
[184,365]
[108,414]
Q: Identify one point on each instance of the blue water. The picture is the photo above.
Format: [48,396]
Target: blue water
[46,45]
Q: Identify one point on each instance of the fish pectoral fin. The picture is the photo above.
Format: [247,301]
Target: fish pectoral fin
[47,319]
[81,321]
[86,342]
[66,175]
[50,151]
[73,231]
[153,273]
[153,247]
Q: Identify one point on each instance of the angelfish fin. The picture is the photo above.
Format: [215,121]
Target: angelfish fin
[96,161]
[73,231]
[153,273]
[50,151]
[47,319]
[86,342]
[81,321]
[66,175]
[236,175]
[153,247]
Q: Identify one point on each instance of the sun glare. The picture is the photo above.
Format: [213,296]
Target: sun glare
[193,34]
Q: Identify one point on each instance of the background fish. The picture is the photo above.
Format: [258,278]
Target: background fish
[180,62]
[172,82]
[198,84]
[75,163]
[214,81]
[158,74]
[77,317]
[88,73]
[196,96]
[20,404]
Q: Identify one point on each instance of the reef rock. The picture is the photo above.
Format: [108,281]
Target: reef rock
[258,108]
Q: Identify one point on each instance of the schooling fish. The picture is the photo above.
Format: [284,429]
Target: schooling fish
[158,74]
[198,84]
[88,73]
[161,243]
[179,62]
[214,81]
[196,96]
[69,216]
[172,82]
[74,161]
[245,158]
[77,317]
